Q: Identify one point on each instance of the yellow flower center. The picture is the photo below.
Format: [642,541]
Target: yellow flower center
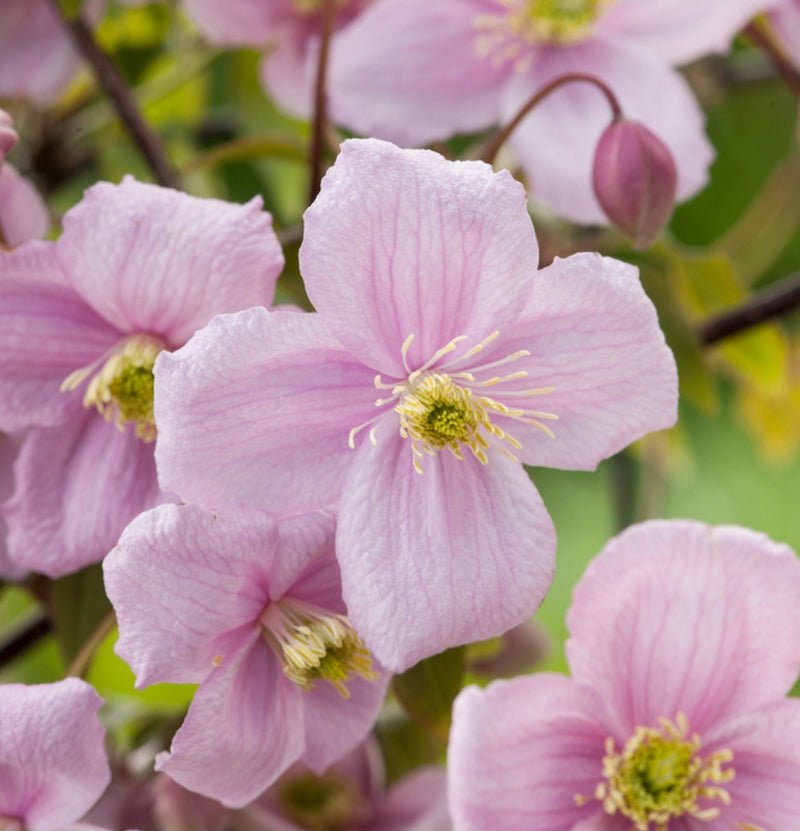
[659,775]
[315,645]
[322,803]
[445,406]
[123,388]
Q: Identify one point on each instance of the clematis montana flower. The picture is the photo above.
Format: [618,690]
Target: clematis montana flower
[53,766]
[251,611]
[137,269]
[290,30]
[413,71]
[684,641]
[438,360]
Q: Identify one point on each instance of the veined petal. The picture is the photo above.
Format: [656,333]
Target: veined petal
[46,332]
[460,553]
[679,31]
[594,338]
[53,766]
[555,144]
[404,242]
[244,728]
[181,577]
[151,259]
[257,408]
[521,751]
[77,486]
[682,617]
[411,71]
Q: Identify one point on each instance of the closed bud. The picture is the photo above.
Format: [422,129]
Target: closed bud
[8,135]
[634,180]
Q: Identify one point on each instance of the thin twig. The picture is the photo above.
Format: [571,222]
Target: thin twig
[82,661]
[772,302]
[790,76]
[116,88]
[502,136]
[24,639]
[320,100]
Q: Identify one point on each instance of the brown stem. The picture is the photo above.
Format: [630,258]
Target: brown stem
[786,70]
[114,85]
[82,661]
[320,100]
[25,638]
[772,302]
[502,136]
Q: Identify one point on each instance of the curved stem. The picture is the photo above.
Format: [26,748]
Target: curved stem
[29,636]
[82,661]
[502,136]
[320,99]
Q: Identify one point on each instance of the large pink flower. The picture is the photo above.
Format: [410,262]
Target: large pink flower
[53,766]
[415,71]
[137,270]
[252,611]
[685,640]
[290,30]
[423,272]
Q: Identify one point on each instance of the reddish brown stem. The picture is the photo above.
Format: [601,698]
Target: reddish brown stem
[790,76]
[320,117]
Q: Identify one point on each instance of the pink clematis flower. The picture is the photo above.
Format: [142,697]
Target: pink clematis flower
[136,271]
[423,272]
[684,641]
[413,71]
[252,611]
[289,28]
[53,766]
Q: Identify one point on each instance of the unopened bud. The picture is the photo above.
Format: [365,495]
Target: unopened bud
[634,180]
[8,135]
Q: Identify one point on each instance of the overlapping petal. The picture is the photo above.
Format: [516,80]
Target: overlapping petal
[200,257]
[461,553]
[411,71]
[179,577]
[555,143]
[709,628]
[52,763]
[59,472]
[257,408]
[403,243]
[594,338]
[521,751]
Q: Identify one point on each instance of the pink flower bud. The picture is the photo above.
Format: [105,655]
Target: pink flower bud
[634,180]
[8,135]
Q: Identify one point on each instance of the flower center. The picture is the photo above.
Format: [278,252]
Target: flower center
[444,406]
[321,803]
[123,388]
[315,645]
[659,775]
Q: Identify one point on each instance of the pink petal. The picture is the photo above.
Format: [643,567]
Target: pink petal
[403,242]
[679,31]
[23,212]
[287,76]
[181,577]
[150,259]
[555,144]
[8,135]
[77,486]
[238,22]
[418,802]
[53,766]
[683,617]
[243,729]
[594,337]
[257,408]
[521,751]
[461,553]
[785,19]
[46,333]
[410,71]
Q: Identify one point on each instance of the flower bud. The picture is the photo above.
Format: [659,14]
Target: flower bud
[634,180]
[8,135]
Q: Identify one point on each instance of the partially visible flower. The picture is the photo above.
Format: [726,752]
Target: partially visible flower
[684,642]
[23,213]
[136,271]
[289,29]
[251,611]
[53,766]
[438,361]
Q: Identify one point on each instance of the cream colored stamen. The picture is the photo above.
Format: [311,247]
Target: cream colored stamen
[314,644]
[123,388]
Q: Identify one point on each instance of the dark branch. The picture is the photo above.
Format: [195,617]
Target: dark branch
[24,639]
[320,99]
